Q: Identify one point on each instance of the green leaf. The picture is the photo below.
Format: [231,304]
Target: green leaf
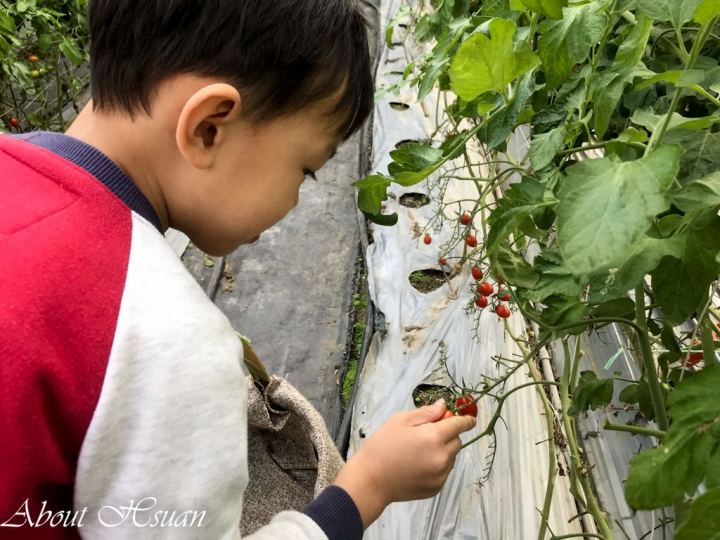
[68,48]
[677,11]
[549,8]
[702,152]
[439,62]
[555,278]
[660,476]
[640,260]
[7,23]
[514,269]
[704,520]
[402,12]
[591,393]
[679,78]
[639,393]
[373,192]
[543,147]
[681,285]
[606,206]
[607,90]
[44,42]
[651,121]
[632,49]
[501,127]
[707,10]
[382,219]
[621,308]
[484,64]
[699,194]
[568,41]
[560,310]
[208,261]
[414,157]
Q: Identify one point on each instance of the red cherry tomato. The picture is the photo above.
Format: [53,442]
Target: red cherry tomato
[462,407]
[477,273]
[447,414]
[471,241]
[481,302]
[504,296]
[32,58]
[428,240]
[14,123]
[502,311]
[694,359]
[443,261]
[465,219]
[500,280]
[485,289]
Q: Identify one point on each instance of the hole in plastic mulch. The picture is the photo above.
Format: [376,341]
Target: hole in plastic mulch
[399,106]
[428,280]
[427,394]
[405,142]
[414,200]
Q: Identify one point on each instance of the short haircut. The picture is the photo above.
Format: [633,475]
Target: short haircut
[281,55]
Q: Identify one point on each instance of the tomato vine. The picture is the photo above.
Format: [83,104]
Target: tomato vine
[43,44]
[614,218]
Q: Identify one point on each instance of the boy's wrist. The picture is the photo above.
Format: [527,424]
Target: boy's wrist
[369,498]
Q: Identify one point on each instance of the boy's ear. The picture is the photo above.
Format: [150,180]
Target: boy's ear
[204,123]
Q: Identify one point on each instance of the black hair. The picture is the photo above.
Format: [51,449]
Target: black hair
[282,55]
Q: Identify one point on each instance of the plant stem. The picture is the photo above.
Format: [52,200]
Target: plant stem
[706,329]
[61,120]
[648,359]
[700,39]
[634,429]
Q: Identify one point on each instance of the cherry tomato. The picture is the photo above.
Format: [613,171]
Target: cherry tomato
[35,74]
[471,241]
[486,289]
[32,58]
[500,280]
[465,219]
[462,407]
[477,273]
[447,414]
[428,240]
[14,123]
[443,261]
[694,359]
[502,311]
[504,296]
[481,302]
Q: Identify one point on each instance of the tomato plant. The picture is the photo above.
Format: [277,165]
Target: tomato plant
[43,43]
[618,196]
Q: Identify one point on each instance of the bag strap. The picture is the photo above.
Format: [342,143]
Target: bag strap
[254,365]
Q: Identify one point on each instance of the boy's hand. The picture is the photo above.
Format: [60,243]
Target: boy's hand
[408,458]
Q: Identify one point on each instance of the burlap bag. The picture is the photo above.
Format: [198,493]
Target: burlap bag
[291,456]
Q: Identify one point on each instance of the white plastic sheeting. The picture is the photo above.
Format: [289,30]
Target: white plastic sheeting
[406,354]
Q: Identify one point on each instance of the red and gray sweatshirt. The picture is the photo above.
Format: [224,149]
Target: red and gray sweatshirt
[122,401]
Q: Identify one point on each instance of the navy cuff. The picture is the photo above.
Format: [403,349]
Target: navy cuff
[336,514]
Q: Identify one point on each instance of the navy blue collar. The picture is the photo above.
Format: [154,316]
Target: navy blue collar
[100,166]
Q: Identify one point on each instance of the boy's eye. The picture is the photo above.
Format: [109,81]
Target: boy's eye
[310,175]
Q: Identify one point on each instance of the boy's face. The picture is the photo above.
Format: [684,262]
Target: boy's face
[253,177]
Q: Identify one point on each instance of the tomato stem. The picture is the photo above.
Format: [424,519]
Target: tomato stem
[634,429]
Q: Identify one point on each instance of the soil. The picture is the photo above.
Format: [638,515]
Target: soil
[428,280]
[427,394]
[414,200]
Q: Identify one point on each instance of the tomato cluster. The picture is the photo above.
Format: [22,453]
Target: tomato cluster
[485,290]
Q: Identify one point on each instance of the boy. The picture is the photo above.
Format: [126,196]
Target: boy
[123,402]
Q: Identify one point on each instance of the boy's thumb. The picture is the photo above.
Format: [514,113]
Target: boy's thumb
[430,413]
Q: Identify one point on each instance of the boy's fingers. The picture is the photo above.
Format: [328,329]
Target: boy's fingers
[453,427]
